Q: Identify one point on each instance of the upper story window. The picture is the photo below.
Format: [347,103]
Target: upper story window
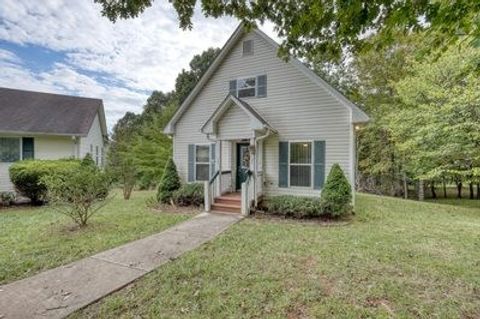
[247,47]
[247,87]
[254,86]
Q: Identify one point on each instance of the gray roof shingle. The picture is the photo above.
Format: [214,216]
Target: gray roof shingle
[47,113]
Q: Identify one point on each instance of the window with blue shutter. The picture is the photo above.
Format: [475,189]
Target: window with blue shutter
[282,164]
[319,164]
[233,87]
[191,162]
[27,148]
[261,86]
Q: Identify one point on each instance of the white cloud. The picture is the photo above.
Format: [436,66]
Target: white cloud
[142,54]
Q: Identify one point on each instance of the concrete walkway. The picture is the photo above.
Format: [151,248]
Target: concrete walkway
[60,291]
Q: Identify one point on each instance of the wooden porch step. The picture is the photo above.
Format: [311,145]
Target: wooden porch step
[230,208]
[229,200]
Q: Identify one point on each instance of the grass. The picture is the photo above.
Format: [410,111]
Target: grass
[397,258]
[33,239]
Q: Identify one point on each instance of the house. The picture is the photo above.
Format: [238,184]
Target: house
[36,125]
[256,125]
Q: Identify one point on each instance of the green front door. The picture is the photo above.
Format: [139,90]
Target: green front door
[243,164]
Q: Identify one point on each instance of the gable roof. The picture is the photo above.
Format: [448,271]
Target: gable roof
[358,116]
[46,113]
[260,122]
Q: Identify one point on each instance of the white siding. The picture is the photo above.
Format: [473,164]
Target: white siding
[94,138]
[234,124]
[45,148]
[53,147]
[296,107]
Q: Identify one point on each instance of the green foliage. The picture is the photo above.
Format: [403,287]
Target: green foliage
[327,27]
[78,193]
[87,161]
[27,176]
[336,198]
[292,206]
[169,183]
[191,194]
[7,198]
[437,129]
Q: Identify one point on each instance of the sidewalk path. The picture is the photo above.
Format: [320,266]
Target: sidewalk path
[60,291]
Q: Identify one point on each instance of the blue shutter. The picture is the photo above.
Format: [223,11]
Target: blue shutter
[191,162]
[212,159]
[27,148]
[233,87]
[319,165]
[261,86]
[282,164]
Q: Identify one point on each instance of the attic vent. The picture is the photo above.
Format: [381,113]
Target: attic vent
[247,47]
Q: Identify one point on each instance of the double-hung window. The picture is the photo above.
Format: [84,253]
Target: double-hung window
[247,87]
[9,149]
[202,162]
[300,164]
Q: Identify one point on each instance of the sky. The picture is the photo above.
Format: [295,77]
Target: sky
[68,47]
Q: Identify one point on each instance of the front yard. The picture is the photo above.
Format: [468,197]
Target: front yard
[33,239]
[397,258]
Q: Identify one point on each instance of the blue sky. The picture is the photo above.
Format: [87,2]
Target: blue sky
[67,47]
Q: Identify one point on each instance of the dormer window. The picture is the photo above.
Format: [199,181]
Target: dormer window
[247,47]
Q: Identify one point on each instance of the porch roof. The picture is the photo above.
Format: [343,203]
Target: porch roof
[258,122]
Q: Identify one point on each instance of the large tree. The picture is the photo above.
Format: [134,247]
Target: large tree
[310,27]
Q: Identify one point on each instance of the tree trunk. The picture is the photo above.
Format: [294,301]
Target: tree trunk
[459,190]
[471,190]
[478,190]
[405,186]
[432,188]
[421,190]
[444,189]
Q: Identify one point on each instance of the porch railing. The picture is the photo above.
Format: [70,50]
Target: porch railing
[248,194]
[211,189]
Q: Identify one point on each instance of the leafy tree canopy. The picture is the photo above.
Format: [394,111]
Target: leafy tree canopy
[328,26]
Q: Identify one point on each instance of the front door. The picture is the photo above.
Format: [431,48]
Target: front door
[243,164]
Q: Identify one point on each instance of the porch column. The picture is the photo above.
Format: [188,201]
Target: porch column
[219,184]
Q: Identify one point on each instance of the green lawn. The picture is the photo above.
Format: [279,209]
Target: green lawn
[36,238]
[397,258]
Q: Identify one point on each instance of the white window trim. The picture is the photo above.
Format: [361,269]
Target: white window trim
[195,162]
[302,164]
[243,78]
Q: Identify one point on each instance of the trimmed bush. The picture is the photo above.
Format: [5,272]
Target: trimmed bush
[336,199]
[292,206]
[27,176]
[189,195]
[169,183]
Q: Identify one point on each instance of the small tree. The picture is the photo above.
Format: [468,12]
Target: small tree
[336,196]
[169,183]
[79,193]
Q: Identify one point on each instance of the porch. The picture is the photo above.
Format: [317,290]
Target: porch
[237,180]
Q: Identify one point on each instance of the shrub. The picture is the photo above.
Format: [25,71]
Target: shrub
[78,193]
[189,195]
[27,176]
[169,183]
[292,206]
[7,198]
[336,196]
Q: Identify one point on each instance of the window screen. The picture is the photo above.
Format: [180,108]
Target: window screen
[9,149]
[301,164]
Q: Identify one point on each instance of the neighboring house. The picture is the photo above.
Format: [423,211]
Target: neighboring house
[274,127]
[36,125]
